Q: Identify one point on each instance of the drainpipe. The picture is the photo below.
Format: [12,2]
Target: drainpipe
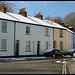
[14,36]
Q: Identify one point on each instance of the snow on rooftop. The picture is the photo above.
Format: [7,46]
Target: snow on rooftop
[5,16]
[39,21]
[21,18]
[55,24]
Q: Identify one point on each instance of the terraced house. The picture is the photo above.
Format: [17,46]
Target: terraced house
[22,35]
[63,37]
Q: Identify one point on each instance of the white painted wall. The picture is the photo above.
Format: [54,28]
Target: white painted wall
[69,40]
[10,39]
[37,34]
[74,40]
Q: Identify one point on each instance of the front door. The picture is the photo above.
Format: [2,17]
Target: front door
[38,47]
[17,48]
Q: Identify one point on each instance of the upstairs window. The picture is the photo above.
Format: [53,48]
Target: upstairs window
[27,29]
[3,44]
[4,26]
[46,31]
[61,33]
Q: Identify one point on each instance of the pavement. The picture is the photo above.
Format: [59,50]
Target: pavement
[72,67]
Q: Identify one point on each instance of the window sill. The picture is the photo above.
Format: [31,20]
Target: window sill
[28,34]
[28,51]
[61,36]
[3,50]
[47,35]
[4,31]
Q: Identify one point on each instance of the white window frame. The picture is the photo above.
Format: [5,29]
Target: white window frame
[3,44]
[28,45]
[46,45]
[46,31]
[4,26]
[61,33]
[61,45]
[27,29]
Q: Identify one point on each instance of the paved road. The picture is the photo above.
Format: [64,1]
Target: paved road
[48,66]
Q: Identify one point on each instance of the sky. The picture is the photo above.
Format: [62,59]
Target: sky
[47,8]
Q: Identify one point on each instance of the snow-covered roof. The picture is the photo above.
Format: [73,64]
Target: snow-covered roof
[21,18]
[56,25]
[29,19]
[15,17]
[39,21]
[70,31]
[6,16]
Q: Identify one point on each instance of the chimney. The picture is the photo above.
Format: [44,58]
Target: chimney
[23,12]
[67,26]
[3,8]
[39,15]
[54,20]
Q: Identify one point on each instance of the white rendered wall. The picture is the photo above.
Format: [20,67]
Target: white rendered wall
[10,39]
[74,40]
[37,34]
[69,40]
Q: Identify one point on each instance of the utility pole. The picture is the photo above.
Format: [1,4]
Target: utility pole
[34,12]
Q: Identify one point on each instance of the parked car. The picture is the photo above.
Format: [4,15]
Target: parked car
[53,53]
[71,52]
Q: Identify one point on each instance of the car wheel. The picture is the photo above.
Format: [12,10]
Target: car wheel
[54,56]
[62,55]
[73,54]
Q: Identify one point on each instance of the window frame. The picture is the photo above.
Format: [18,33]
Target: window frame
[3,44]
[28,30]
[46,31]
[46,45]
[28,50]
[4,27]
[61,45]
[61,33]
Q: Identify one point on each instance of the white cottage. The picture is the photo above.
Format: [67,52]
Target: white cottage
[74,41]
[24,36]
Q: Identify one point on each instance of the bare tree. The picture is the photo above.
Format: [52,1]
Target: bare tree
[11,7]
[59,19]
[70,19]
[48,17]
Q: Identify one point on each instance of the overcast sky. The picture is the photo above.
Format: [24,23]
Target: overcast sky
[47,8]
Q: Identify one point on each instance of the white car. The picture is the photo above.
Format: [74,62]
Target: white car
[71,52]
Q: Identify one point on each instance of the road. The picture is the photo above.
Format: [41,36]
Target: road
[47,66]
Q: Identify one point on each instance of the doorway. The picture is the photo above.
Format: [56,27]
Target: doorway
[17,48]
[38,47]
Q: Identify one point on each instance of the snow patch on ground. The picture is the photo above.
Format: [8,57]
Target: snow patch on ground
[22,58]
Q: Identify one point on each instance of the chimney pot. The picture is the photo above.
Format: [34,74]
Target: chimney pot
[3,8]
[54,20]
[23,12]
[39,15]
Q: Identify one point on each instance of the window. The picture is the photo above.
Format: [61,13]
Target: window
[27,29]
[28,46]
[4,26]
[61,45]
[3,44]
[61,33]
[46,45]
[46,31]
